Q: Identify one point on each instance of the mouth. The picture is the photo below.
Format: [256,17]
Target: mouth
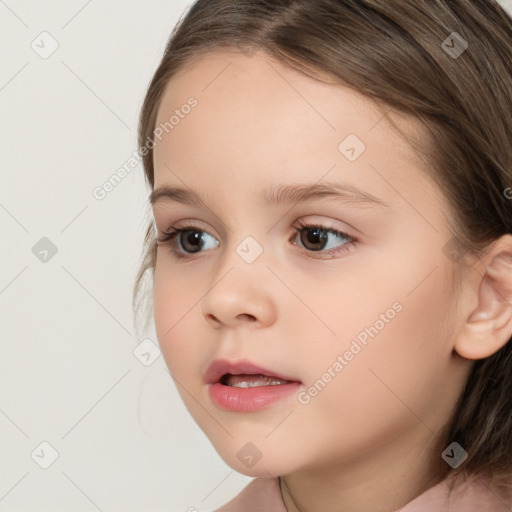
[245,387]
[244,374]
[251,381]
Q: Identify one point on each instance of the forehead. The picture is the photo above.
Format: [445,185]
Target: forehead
[260,94]
[237,83]
[258,117]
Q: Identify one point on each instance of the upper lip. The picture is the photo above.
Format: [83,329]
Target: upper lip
[220,367]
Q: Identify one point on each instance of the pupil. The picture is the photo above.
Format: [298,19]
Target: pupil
[193,236]
[315,236]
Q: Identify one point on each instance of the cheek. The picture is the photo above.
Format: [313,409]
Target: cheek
[174,295]
[174,307]
[394,362]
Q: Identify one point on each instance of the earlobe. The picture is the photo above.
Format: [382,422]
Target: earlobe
[489,326]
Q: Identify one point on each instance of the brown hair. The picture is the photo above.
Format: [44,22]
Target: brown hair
[403,55]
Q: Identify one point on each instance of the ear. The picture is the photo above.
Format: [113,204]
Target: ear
[489,326]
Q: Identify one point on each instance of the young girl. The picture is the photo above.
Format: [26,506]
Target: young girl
[331,248]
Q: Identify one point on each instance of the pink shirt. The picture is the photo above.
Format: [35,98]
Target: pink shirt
[474,495]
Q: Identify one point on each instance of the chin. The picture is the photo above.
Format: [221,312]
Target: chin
[262,468]
[258,470]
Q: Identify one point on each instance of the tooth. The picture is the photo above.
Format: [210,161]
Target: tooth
[257,382]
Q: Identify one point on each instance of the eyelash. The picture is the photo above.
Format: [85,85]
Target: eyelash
[169,239]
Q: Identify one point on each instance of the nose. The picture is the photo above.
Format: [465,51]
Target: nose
[239,297]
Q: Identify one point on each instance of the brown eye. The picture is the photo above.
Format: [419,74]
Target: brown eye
[318,238]
[187,241]
[314,238]
[191,241]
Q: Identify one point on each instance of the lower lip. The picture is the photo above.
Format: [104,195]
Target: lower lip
[250,399]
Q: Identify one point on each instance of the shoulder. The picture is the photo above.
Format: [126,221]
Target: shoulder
[458,493]
[260,494]
[478,493]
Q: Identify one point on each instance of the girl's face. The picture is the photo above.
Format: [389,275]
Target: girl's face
[363,320]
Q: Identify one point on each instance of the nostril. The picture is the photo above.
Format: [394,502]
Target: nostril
[245,316]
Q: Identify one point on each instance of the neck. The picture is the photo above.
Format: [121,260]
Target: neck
[382,480]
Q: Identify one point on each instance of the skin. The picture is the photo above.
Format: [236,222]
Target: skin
[369,440]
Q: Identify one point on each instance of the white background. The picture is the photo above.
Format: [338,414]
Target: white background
[68,375]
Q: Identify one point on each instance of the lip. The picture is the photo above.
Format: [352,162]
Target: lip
[219,367]
[250,399]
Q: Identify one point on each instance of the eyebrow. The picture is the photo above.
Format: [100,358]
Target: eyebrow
[282,194]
